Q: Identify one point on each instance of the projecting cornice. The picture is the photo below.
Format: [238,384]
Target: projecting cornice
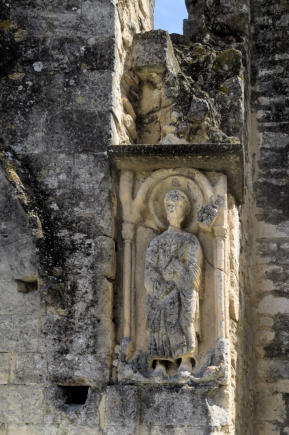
[222,157]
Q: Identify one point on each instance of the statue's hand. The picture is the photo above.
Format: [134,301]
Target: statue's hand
[175,272]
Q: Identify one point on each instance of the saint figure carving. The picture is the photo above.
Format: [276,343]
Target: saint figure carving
[173,280]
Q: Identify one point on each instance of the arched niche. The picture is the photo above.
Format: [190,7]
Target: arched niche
[142,218]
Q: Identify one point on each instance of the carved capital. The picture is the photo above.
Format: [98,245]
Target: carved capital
[128,230]
[220,232]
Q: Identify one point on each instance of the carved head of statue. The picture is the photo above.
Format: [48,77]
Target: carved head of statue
[177,206]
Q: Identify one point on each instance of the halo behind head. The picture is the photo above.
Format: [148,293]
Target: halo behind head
[176,195]
[188,188]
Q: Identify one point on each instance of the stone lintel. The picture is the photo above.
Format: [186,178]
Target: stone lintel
[221,157]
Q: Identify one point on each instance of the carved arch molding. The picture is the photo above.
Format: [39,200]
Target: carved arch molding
[212,220]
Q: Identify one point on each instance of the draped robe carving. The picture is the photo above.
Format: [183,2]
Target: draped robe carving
[173,281]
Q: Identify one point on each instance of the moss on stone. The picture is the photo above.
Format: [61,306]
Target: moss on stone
[5,25]
[228,60]
[224,89]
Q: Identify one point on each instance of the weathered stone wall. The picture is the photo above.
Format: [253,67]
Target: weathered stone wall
[59,75]
[269,145]
[182,91]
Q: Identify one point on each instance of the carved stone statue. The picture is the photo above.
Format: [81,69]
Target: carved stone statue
[173,281]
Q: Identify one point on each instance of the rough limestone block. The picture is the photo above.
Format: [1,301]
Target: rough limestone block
[97,18]
[21,404]
[74,369]
[153,52]
[273,410]
[159,430]
[65,428]
[18,333]
[88,195]
[78,130]
[279,347]
[80,340]
[177,407]
[154,409]
[5,359]
[278,369]
[120,410]
[96,83]
[16,243]
[54,82]
[268,428]
[27,333]
[73,429]
[274,305]
[230,16]
[75,121]
[77,18]
[7,339]
[29,429]
[29,368]
[190,28]
[14,302]
[219,409]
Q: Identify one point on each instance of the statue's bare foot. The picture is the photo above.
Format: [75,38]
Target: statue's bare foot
[185,366]
[160,369]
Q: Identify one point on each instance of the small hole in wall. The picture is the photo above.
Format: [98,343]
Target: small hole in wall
[169,15]
[27,284]
[74,397]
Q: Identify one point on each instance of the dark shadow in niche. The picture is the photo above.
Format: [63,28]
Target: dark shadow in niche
[74,397]
[27,284]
